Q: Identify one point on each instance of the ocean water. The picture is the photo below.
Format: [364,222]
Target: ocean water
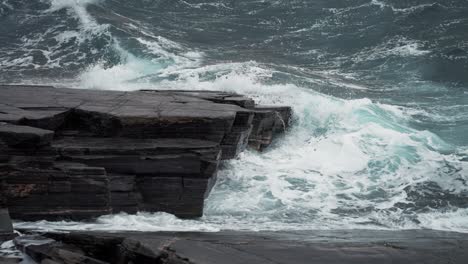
[379,91]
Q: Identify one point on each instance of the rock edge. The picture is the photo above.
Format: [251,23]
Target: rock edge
[78,154]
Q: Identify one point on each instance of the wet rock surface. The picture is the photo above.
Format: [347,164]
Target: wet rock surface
[305,247]
[78,154]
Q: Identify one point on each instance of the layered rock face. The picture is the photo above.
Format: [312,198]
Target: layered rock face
[70,153]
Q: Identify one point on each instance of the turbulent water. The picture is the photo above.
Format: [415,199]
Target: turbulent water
[379,90]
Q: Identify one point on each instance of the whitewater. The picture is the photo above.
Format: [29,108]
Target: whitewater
[377,141]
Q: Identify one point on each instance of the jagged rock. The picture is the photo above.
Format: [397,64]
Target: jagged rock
[71,153]
[47,251]
[267,122]
[57,253]
[282,116]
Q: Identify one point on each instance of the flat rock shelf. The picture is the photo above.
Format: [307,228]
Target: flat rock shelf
[299,247]
[78,154]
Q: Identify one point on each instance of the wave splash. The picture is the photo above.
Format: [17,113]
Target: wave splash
[345,163]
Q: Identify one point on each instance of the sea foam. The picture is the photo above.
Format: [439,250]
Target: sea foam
[344,163]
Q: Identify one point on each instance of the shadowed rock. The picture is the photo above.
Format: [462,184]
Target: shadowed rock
[24,136]
[71,153]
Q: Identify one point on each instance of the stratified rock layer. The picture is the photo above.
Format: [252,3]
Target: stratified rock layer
[71,153]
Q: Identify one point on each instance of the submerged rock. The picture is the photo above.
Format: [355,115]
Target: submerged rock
[79,154]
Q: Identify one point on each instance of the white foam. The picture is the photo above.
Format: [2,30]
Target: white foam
[78,7]
[135,73]
[334,164]
[344,163]
[5,5]
[100,77]
[203,5]
[398,46]
[35,42]
[138,222]
[453,221]
[382,4]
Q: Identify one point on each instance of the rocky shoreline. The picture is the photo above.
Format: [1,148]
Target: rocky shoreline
[228,247]
[79,154]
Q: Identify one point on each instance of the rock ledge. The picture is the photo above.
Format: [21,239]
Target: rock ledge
[79,154]
[229,247]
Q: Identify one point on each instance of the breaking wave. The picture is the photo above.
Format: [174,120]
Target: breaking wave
[373,143]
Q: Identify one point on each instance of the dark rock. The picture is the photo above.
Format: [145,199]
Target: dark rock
[124,196]
[267,122]
[214,96]
[282,117]
[70,153]
[9,260]
[70,192]
[24,136]
[43,250]
[301,247]
[164,157]
[103,247]
[57,253]
[121,183]
[6,227]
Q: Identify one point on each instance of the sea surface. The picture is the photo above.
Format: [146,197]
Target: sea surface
[379,90]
